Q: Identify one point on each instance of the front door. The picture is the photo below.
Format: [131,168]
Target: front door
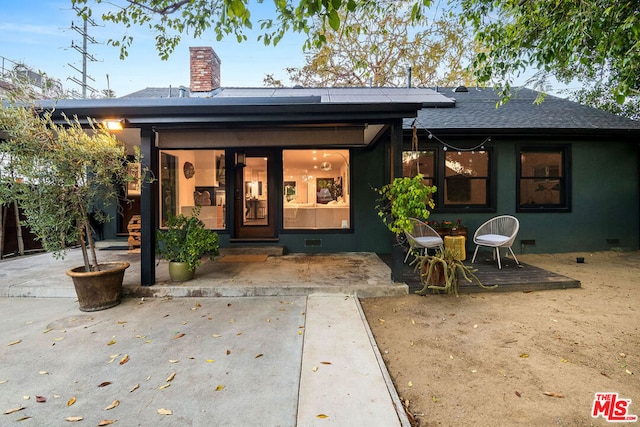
[255,195]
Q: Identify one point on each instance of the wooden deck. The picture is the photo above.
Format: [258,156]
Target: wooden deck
[512,278]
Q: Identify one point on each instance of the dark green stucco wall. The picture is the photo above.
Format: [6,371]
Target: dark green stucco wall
[605,198]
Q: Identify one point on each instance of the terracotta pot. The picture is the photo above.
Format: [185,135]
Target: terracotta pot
[437,276]
[99,290]
[180,271]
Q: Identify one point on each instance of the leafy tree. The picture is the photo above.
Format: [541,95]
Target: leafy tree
[379,41]
[594,42]
[168,19]
[591,41]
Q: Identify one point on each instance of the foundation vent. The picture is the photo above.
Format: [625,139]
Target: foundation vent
[312,242]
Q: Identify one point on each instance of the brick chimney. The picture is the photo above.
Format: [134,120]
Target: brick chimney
[205,69]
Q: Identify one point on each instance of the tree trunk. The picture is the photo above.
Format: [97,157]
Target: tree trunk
[3,221]
[18,228]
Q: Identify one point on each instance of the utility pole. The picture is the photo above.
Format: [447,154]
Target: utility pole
[86,56]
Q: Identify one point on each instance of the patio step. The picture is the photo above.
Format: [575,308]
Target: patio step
[271,250]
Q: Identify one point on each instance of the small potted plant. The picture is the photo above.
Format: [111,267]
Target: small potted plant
[185,241]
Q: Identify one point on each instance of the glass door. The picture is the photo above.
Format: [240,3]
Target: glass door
[254,208]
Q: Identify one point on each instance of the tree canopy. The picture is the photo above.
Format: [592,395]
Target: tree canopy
[377,43]
[594,42]
[591,41]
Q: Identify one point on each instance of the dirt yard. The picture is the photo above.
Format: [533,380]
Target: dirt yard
[526,359]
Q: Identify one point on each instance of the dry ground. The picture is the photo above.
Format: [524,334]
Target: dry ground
[488,359]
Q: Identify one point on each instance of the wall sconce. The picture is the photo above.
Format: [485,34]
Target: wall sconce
[114,124]
[241,159]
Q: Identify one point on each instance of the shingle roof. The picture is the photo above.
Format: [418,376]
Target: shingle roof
[476,109]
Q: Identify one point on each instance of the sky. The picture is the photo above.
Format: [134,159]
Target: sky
[38,34]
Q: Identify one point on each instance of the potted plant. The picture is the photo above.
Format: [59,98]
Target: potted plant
[184,243]
[60,174]
[442,272]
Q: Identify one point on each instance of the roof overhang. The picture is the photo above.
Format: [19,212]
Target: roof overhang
[192,112]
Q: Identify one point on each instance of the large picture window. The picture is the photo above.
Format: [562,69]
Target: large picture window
[542,179]
[190,179]
[316,189]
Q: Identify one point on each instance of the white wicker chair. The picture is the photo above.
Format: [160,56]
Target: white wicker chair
[498,232]
[422,238]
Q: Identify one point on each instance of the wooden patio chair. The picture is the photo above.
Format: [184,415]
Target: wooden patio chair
[498,232]
[422,237]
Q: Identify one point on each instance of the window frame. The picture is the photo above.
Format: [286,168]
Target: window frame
[440,178]
[565,178]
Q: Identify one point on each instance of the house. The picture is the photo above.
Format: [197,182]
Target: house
[297,166]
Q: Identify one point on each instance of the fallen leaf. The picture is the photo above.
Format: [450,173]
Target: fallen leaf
[322,416]
[174,361]
[13,410]
[216,336]
[524,355]
[112,342]
[4,381]
[622,355]
[162,387]
[210,360]
[299,332]
[124,359]
[413,322]
[15,342]
[314,369]
[122,322]
[180,335]
[114,404]
[23,418]
[46,331]
[473,371]
[259,355]
[518,393]
[26,397]
[171,377]
[434,398]
[553,394]
[604,374]
[564,360]
[326,363]
[163,411]
[134,388]
[381,321]
[228,352]
[410,384]
[628,372]
[71,401]
[106,422]
[475,326]
[104,384]
[74,419]
[43,372]
[220,387]
[41,399]
[58,339]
